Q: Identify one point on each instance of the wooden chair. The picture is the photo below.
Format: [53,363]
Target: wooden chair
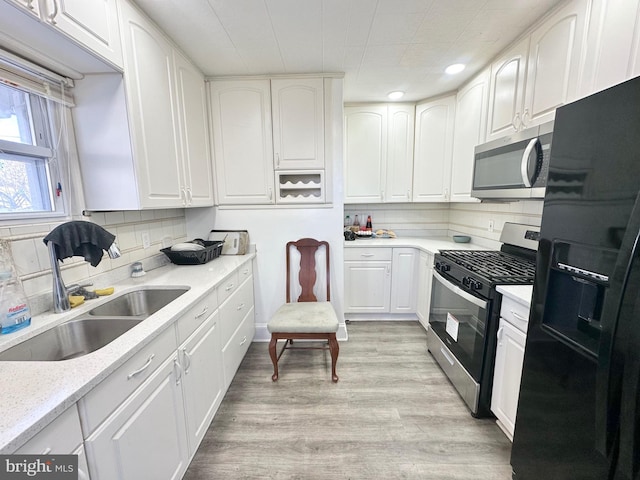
[306,319]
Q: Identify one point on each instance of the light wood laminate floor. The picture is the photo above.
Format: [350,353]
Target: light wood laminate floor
[393,414]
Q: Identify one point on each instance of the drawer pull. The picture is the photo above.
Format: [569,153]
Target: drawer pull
[187,358]
[240,307]
[204,310]
[518,317]
[142,368]
[229,287]
[500,332]
[46,451]
[178,369]
[446,356]
[244,340]
[245,271]
[366,254]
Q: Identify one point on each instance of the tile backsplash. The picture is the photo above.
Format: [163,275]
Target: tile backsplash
[33,266]
[406,219]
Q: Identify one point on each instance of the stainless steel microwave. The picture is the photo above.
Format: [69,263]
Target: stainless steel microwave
[515,166]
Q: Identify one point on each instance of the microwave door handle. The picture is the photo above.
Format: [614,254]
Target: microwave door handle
[524,163]
[458,291]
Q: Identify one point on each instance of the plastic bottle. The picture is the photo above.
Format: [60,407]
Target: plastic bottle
[14,308]
[347,221]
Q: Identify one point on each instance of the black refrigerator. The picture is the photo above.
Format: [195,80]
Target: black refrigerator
[579,406]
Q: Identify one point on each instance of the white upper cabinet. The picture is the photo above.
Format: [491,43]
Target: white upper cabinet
[30,6]
[399,167]
[298,123]
[506,96]
[92,23]
[153,111]
[365,153]
[469,131]
[612,53]
[554,63]
[433,150]
[243,151]
[192,109]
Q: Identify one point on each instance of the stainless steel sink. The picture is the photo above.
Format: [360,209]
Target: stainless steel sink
[139,303]
[93,330]
[70,339]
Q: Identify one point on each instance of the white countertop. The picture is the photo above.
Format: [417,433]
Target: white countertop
[520,293]
[430,245]
[34,393]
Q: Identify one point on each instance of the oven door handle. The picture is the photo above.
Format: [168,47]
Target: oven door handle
[458,291]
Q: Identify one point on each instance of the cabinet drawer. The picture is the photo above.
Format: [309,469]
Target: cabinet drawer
[515,313]
[367,254]
[233,311]
[227,287]
[111,392]
[196,315]
[236,348]
[61,436]
[245,271]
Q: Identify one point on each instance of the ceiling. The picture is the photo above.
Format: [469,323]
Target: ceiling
[379,45]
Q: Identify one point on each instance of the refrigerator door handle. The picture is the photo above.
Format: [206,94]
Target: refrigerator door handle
[614,341]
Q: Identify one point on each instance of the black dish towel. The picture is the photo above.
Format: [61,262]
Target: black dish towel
[82,239]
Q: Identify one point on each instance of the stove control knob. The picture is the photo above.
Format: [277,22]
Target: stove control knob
[471,283]
[443,267]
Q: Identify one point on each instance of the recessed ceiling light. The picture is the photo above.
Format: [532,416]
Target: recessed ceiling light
[396,95]
[455,68]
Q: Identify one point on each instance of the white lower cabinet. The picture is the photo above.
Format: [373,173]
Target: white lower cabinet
[146,436]
[367,280]
[202,382]
[425,271]
[381,280]
[507,372]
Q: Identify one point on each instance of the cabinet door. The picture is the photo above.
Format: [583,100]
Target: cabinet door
[433,150]
[145,437]
[507,375]
[365,153]
[192,102]
[152,111]
[612,39]
[425,270]
[506,95]
[399,168]
[554,58]
[404,280]
[243,151]
[201,358]
[298,123]
[367,287]
[469,131]
[92,23]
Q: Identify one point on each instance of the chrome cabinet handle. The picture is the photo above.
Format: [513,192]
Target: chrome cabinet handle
[187,361]
[525,114]
[178,368]
[52,17]
[278,159]
[366,254]
[500,332]
[142,368]
[446,356]
[203,312]
[244,340]
[518,316]
[240,307]
[46,451]
[516,121]
[229,287]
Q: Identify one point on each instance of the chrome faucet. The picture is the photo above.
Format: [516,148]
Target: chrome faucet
[60,291]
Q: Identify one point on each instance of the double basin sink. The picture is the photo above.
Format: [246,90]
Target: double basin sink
[95,329]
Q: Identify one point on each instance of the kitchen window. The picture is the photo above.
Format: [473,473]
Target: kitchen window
[33,137]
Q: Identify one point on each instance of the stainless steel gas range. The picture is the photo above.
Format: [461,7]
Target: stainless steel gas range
[465,308]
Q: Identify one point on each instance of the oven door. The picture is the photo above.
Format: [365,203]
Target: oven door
[459,319]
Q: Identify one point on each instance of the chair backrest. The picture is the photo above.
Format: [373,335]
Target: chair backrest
[307,275]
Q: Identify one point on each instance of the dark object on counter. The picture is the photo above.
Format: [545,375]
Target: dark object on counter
[211,250]
[82,239]
[369,226]
[349,235]
[579,410]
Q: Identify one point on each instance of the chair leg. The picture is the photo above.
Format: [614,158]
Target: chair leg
[335,349]
[274,357]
